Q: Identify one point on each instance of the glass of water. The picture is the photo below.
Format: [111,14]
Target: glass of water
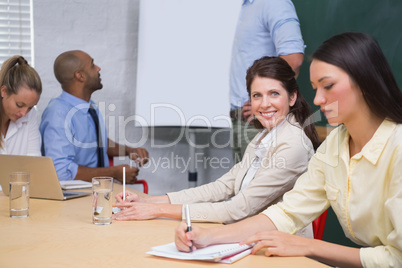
[102,202]
[19,194]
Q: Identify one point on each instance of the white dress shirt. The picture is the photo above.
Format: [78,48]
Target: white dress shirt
[23,136]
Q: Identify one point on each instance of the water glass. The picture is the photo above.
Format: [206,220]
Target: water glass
[19,194]
[102,190]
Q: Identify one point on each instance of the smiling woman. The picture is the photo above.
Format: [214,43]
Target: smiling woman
[20,88]
[272,162]
[356,170]
[274,94]
[270,102]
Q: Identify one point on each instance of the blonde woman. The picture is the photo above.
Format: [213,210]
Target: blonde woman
[20,88]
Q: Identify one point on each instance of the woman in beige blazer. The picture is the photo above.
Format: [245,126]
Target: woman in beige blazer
[273,161]
[357,170]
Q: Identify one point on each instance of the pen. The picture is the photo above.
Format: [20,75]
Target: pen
[124,183]
[188,221]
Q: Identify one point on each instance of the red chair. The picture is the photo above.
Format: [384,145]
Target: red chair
[319,225]
[143,182]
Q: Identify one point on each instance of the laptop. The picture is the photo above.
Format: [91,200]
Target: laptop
[44,182]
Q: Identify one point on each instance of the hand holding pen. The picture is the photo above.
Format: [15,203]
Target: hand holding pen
[198,237]
[124,178]
[121,197]
[188,221]
[116,209]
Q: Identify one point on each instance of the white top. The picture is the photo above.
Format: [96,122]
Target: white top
[23,136]
[264,142]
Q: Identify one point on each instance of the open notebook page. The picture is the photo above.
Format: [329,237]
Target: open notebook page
[211,253]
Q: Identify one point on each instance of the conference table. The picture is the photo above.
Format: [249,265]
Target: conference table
[61,234]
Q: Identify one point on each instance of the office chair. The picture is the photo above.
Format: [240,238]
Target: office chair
[319,225]
[143,182]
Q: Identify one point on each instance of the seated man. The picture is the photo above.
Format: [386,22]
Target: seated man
[72,128]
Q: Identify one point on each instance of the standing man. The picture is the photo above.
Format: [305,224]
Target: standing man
[265,28]
[72,128]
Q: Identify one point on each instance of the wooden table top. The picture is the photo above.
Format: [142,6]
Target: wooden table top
[61,234]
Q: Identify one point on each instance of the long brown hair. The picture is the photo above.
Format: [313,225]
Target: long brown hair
[278,69]
[14,73]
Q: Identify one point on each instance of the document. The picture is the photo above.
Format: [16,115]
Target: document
[75,184]
[224,253]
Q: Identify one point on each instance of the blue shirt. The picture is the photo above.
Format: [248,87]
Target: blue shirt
[69,135]
[265,28]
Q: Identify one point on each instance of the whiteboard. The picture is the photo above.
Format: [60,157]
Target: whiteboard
[184,52]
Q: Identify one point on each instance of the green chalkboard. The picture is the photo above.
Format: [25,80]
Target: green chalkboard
[321,19]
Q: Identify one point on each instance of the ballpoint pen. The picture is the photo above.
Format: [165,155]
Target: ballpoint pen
[188,221]
[124,183]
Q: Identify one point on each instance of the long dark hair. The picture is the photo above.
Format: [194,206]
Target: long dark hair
[361,57]
[278,69]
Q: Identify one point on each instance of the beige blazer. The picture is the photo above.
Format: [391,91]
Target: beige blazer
[222,201]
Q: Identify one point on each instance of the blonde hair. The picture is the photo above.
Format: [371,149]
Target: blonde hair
[15,73]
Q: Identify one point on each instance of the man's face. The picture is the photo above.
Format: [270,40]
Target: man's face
[91,71]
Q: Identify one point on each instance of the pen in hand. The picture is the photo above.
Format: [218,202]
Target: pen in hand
[188,221]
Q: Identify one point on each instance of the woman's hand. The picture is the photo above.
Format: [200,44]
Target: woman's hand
[283,244]
[280,244]
[143,198]
[145,207]
[197,237]
[130,197]
[131,210]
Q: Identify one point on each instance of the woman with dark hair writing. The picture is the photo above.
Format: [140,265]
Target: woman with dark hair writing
[357,170]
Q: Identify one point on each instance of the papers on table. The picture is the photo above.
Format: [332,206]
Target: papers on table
[225,253]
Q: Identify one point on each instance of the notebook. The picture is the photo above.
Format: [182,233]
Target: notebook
[43,177]
[224,253]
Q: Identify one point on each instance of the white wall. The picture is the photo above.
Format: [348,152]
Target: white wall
[108,31]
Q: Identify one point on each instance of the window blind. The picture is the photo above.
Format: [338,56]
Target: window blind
[16,29]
